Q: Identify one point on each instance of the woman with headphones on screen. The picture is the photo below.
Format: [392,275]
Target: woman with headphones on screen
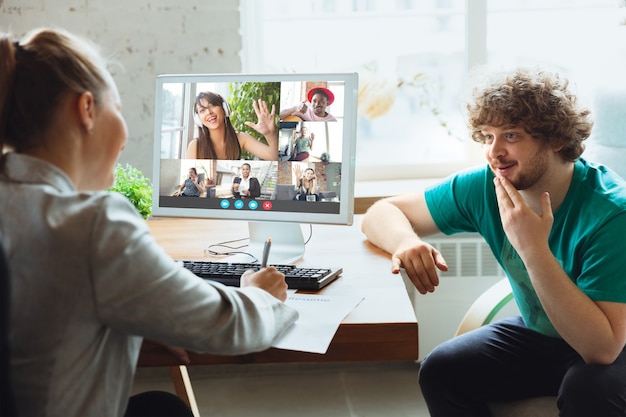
[83,261]
[217,137]
[306,186]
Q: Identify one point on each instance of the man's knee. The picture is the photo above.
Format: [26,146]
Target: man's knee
[592,390]
[435,367]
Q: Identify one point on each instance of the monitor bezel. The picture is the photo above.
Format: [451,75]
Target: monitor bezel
[346,202]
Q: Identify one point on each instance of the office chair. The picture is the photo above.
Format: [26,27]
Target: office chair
[482,312]
[7,399]
[284,192]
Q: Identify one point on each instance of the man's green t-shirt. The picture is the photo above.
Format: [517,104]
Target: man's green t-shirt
[303,144]
[588,236]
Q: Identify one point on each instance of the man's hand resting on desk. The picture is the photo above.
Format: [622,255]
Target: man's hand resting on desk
[268,279]
[420,262]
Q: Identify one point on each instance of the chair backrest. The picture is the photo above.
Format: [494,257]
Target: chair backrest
[284,192]
[7,400]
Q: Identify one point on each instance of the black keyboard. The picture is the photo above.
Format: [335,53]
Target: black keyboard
[300,278]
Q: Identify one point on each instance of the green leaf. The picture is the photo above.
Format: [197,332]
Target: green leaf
[131,183]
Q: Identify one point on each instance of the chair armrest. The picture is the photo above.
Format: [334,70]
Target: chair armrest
[484,309]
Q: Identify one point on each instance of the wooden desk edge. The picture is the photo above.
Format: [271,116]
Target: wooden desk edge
[344,348]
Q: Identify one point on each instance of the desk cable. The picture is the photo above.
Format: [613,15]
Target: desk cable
[210,250]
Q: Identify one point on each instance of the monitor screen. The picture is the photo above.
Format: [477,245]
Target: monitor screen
[276,150]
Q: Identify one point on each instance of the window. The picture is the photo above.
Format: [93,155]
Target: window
[174,130]
[414,59]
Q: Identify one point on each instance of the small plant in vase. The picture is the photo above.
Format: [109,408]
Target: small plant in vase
[131,183]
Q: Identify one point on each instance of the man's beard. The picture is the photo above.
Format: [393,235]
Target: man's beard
[533,173]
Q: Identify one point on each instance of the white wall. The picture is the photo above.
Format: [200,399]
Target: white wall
[147,37]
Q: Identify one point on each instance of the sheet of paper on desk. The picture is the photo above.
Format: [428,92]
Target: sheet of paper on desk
[320,317]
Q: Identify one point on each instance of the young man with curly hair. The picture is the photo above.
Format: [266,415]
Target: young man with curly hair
[556,224]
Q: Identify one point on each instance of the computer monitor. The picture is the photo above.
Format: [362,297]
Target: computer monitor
[309,179]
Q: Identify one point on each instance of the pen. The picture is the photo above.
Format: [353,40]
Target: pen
[266,252]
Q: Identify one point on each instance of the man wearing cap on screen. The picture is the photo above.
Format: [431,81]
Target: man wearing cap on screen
[319,98]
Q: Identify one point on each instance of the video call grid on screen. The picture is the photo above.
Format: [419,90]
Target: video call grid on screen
[331,156]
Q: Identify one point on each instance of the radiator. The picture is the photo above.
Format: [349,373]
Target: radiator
[467,255]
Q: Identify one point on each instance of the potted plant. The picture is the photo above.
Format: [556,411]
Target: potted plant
[131,183]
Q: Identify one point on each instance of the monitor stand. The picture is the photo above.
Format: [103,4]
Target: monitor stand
[287,243]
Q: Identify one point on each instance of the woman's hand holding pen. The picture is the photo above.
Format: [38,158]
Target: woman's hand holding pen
[268,279]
